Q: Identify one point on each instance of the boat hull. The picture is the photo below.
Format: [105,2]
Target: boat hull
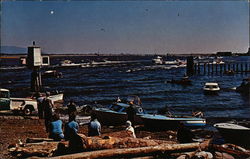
[159,122]
[235,136]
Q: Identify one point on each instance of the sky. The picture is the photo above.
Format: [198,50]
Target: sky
[135,27]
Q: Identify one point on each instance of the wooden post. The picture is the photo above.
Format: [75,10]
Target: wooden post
[212,68]
[195,68]
[225,67]
[221,68]
[190,66]
[237,67]
[241,67]
[204,68]
[246,68]
[216,68]
[199,69]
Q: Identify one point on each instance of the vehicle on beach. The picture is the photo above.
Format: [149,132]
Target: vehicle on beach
[23,105]
[115,114]
[244,87]
[162,122]
[234,133]
[211,88]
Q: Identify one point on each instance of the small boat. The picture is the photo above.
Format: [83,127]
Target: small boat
[234,133]
[211,88]
[162,122]
[51,74]
[183,81]
[158,60]
[68,63]
[56,97]
[244,87]
[116,114]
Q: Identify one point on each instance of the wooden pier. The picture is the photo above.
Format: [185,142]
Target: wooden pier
[225,68]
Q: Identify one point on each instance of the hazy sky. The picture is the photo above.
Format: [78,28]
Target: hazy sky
[127,26]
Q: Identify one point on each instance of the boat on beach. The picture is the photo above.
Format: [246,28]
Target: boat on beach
[115,114]
[162,122]
[234,133]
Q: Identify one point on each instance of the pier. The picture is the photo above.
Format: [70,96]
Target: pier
[208,68]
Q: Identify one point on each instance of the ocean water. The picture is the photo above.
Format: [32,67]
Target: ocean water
[134,75]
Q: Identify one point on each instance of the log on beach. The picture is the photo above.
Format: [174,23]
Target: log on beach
[42,149]
[139,151]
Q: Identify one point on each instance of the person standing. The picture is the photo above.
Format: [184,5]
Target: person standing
[40,99]
[48,110]
[71,108]
[131,113]
[94,127]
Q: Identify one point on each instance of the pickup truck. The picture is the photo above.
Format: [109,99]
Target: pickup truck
[21,105]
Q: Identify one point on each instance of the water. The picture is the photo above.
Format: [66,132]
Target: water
[136,76]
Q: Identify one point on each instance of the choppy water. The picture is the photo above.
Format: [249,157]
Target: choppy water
[136,76]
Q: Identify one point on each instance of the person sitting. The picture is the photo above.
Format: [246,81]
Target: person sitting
[130,129]
[55,128]
[71,128]
[94,127]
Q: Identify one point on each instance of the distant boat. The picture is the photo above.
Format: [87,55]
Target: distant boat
[211,88]
[68,63]
[116,114]
[164,122]
[157,60]
[183,81]
[244,87]
[51,74]
[234,133]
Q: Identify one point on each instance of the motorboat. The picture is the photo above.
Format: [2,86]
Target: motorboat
[183,81]
[162,122]
[244,87]
[115,114]
[69,63]
[211,88]
[157,60]
[51,74]
[234,133]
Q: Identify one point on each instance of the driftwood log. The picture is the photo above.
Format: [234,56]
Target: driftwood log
[139,151]
[36,140]
[233,150]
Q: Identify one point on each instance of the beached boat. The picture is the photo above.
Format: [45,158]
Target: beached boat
[163,122]
[157,60]
[116,114]
[234,133]
[56,97]
[211,88]
[244,87]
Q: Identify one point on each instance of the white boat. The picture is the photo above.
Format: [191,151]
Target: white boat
[68,63]
[158,60]
[164,122]
[211,88]
[56,97]
[234,133]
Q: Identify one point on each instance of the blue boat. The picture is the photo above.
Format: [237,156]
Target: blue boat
[164,122]
[115,114]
